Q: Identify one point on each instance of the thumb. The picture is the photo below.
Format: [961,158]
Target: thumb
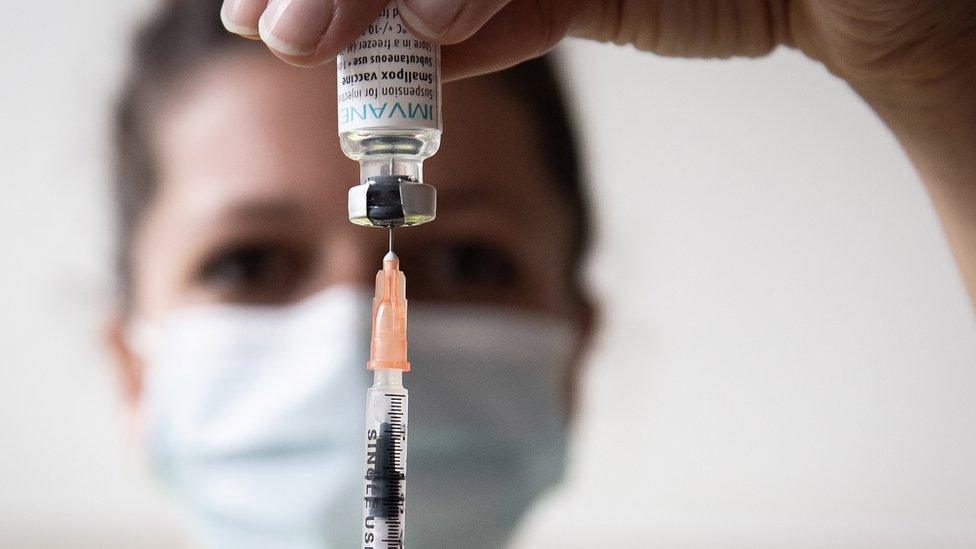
[447,21]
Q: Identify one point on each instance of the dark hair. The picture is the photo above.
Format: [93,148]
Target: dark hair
[183,33]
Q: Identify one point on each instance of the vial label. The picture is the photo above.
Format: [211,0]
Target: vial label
[389,79]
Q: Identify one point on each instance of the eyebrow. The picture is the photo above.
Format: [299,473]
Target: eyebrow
[271,212]
[260,208]
[476,198]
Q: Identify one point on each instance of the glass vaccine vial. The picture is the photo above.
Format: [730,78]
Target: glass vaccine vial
[389,101]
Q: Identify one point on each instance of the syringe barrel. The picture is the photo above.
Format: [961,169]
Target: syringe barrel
[385,463]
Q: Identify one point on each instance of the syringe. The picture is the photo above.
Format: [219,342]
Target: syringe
[390,129]
[384,489]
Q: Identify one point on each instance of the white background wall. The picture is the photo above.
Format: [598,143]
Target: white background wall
[788,355]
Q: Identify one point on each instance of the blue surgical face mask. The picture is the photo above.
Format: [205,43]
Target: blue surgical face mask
[254,418]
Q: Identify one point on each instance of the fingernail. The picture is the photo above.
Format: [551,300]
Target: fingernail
[430,17]
[294,27]
[233,14]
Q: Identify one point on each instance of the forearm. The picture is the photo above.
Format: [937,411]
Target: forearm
[936,125]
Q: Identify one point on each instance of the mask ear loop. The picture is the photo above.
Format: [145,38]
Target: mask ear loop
[141,337]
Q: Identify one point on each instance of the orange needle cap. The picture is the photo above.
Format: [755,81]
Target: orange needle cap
[388,346]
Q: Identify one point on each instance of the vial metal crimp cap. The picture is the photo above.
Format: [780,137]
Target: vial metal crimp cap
[392,201]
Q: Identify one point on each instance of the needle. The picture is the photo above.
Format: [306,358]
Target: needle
[391,239]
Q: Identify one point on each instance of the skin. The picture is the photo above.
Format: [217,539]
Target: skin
[913,61]
[251,205]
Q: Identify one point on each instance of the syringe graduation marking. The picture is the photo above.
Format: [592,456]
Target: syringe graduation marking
[387,474]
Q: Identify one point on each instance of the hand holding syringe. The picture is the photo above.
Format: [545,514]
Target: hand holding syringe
[911,61]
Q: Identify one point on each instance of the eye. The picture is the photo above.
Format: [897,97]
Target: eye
[475,265]
[256,272]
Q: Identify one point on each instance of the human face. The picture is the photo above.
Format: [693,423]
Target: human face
[251,201]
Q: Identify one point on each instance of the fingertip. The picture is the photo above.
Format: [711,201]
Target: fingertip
[279,47]
[241,16]
[243,30]
[294,56]
[294,29]
[421,24]
[297,59]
